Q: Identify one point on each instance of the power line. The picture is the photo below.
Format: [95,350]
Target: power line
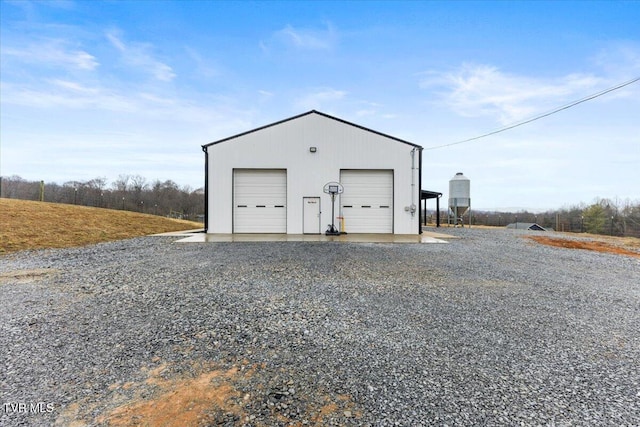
[556,110]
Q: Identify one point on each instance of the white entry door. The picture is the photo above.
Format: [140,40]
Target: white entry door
[311,215]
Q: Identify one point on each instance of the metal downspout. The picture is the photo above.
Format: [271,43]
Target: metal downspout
[206,188]
[413,182]
[420,190]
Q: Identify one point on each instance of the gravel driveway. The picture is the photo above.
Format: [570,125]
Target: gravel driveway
[490,329]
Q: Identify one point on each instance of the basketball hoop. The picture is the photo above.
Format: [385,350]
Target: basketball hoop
[333,188]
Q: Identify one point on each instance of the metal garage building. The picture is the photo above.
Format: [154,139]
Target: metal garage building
[271,179]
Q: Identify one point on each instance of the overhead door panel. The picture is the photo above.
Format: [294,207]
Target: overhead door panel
[259,201]
[367,201]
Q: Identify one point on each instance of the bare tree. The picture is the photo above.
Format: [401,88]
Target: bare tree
[122,183]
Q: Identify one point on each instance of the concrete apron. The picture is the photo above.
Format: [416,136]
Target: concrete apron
[200,237]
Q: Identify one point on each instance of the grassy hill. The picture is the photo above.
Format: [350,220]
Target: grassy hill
[37,225]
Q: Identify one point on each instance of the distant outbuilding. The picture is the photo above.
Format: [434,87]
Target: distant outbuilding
[271,179]
[527,226]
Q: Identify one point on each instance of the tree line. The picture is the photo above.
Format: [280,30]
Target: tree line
[166,198]
[128,192]
[603,216]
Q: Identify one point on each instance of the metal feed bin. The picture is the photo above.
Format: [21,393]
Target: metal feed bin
[459,199]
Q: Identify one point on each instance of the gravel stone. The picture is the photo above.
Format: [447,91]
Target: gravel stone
[490,329]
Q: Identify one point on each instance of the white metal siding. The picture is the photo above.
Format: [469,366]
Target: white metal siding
[367,201]
[259,201]
[286,145]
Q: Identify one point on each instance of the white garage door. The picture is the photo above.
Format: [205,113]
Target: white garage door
[259,201]
[367,201]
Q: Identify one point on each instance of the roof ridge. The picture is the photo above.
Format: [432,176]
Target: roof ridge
[204,147]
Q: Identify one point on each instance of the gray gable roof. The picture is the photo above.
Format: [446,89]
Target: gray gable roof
[204,147]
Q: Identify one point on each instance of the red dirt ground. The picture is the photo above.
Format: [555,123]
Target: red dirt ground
[204,397]
[591,245]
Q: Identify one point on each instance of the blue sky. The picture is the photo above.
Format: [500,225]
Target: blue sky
[98,89]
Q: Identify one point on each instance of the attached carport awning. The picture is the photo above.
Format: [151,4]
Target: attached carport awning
[426,194]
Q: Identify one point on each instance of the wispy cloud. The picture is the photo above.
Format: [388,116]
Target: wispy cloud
[369,108]
[319,98]
[139,56]
[52,53]
[363,113]
[484,90]
[313,39]
[306,38]
[60,4]
[56,94]
[203,65]
[621,61]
